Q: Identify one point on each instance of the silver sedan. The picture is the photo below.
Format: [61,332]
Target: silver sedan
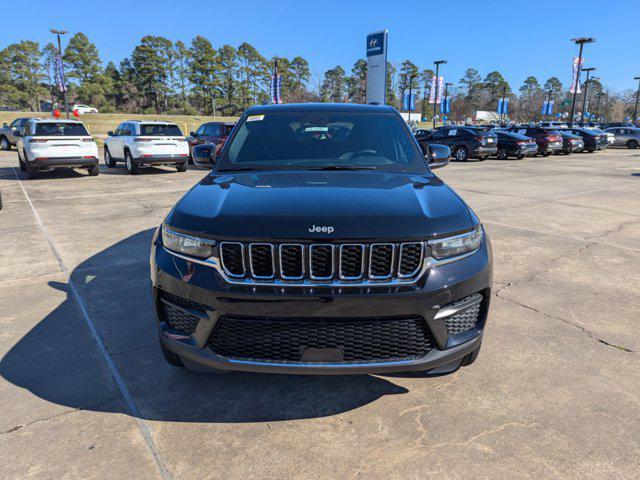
[625,136]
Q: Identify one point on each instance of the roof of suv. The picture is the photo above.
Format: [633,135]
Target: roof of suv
[154,122]
[55,120]
[320,107]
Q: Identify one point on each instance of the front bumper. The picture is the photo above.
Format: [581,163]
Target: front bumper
[161,159]
[439,286]
[64,162]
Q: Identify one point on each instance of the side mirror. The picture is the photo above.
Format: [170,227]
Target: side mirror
[17,133]
[438,156]
[192,134]
[4,125]
[204,155]
[110,133]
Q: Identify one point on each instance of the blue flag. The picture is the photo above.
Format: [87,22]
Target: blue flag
[409,102]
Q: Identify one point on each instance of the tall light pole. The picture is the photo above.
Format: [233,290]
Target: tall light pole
[635,110]
[61,73]
[437,63]
[586,92]
[578,41]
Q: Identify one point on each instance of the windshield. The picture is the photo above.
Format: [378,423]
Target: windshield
[159,130]
[313,140]
[60,130]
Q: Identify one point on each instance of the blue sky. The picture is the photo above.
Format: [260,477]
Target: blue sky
[517,38]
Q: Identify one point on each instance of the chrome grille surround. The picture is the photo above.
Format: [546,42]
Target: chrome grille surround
[426,262]
[345,262]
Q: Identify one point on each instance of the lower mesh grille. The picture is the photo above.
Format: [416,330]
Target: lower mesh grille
[285,339]
[178,319]
[465,319]
[172,311]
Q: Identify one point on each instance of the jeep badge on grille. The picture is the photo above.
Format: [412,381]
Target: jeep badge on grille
[318,229]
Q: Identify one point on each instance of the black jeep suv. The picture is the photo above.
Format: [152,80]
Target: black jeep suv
[321,242]
[465,142]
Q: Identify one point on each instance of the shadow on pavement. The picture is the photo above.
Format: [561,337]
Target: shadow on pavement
[59,362]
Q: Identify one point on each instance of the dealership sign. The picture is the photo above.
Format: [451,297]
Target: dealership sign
[577,66]
[377,67]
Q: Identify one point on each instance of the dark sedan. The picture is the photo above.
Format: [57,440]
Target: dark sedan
[571,143]
[464,142]
[515,145]
[548,140]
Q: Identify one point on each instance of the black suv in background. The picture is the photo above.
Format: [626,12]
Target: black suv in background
[321,242]
[548,140]
[512,144]
[593,139]
[464,142]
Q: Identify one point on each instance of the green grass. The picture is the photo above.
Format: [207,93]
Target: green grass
[99,124]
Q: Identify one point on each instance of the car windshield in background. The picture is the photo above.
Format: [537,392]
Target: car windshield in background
[59,129]
[159,130]
[317,140]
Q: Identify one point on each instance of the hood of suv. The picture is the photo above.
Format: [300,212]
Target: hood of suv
[298,205]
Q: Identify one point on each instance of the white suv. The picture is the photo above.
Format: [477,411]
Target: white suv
[146,143]
[46,144]
[84,109]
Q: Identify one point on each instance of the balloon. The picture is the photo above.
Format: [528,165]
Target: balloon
[76,113]
[56,113]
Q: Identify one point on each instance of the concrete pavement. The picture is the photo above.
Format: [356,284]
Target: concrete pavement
[555,392]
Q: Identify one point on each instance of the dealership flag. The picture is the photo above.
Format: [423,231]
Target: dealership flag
[547,107]
[60,74]
[503,106]
[276,88]
[440,89]
[577,67]
[409,102]
[445,106]
[432,90]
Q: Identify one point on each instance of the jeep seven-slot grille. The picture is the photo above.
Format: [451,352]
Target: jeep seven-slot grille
[284,339]
[318,263]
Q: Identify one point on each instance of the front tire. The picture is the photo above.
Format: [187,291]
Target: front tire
[108,161]
[520,157]
[502,153]
[470,358]
[633,144]
[4,144]
[170,357]
[461,154]
[132,167]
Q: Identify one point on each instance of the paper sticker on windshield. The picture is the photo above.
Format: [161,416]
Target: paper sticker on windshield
[255,118]
[452,132]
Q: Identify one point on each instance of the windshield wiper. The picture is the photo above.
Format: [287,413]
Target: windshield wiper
[342,167]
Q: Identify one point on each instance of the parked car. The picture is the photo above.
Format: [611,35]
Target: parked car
[548,141]
[139,143]
[512,144]
[82,109]
[625,136]
[571,143]
[215,133]
[593,139]
[464,142]
[620,124]
[8,136]
[300,276]
[47,144]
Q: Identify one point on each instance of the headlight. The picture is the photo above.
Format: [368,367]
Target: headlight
[458,245]
[187,244]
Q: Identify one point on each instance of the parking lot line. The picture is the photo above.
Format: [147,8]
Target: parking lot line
[143,427]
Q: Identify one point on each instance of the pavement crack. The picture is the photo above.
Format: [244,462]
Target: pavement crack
[617,229]
[564,320]
[58,415]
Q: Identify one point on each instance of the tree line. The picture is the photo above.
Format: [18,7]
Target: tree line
[162,76]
